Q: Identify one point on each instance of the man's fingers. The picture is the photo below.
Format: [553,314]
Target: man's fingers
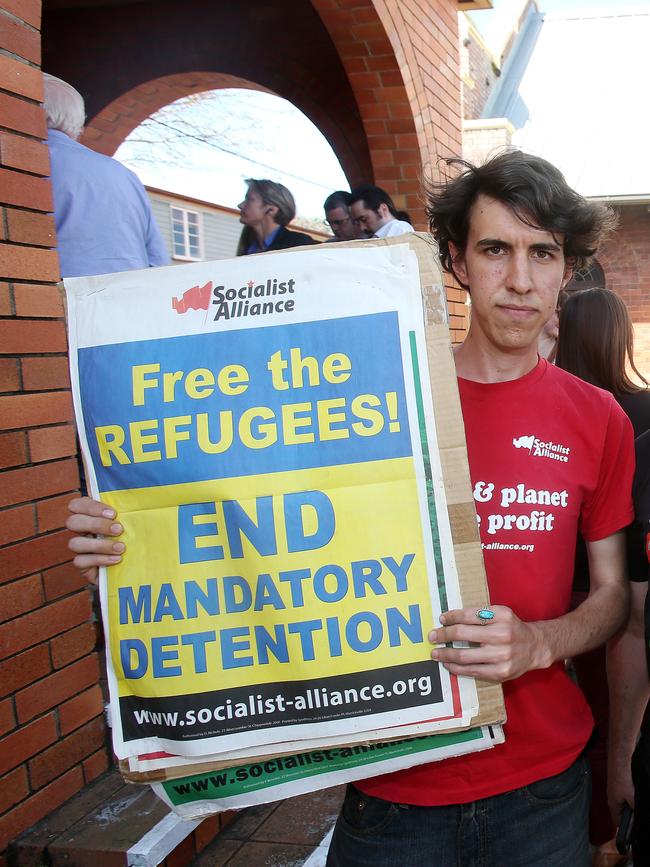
[469,616]
[88,563]
[461,632]
[88,524]
[486,654]
[491,672]
[93,545]
[460,615]
[91,516]
[88,506]
[463,624]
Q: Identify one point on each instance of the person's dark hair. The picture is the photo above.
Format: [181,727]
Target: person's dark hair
[595,340]
[533,188]
[373,197]
[337,199]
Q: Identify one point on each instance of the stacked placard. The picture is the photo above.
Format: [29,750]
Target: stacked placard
[281,438]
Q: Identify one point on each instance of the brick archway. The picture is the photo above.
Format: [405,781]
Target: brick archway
[283,48]
[106,131]
[378,77]
[388,49]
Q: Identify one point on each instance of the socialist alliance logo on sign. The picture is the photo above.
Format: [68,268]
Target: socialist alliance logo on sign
[249,300]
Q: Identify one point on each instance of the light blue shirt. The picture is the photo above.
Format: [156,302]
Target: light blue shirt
[102,214]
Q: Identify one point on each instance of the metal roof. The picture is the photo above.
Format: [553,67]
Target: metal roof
[576,88]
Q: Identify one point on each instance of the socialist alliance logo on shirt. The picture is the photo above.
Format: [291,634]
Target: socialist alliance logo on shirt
[540,449]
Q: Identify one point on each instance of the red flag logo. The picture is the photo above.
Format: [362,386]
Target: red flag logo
[196,298]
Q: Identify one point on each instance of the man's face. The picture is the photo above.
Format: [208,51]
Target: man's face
[342,224]
[367,219]
[514,273]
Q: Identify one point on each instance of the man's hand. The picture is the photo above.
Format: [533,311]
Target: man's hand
[629,693]
[503,648]
[507,647]
[620,788]
[96,546]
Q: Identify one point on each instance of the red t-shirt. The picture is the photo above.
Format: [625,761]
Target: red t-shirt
[548,453]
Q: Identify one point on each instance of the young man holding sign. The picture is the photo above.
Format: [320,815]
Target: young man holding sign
[547,454]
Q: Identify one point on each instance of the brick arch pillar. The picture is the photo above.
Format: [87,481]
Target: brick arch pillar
[401,59]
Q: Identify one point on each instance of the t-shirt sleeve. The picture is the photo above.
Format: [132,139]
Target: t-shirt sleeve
[609,507]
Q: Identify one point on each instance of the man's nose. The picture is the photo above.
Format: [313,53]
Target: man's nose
[519,274]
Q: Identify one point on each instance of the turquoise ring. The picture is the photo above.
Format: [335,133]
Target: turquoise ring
[485,616]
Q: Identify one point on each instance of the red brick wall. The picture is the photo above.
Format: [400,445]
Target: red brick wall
[626,262]
[51,730]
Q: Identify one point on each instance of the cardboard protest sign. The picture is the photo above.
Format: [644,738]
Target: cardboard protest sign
[264,428]
[259,782]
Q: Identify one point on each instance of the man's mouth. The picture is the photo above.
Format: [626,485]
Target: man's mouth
[518,311]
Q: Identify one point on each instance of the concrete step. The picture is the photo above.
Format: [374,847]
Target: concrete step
[111,823]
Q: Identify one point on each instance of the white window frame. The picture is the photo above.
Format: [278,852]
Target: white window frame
[185,212]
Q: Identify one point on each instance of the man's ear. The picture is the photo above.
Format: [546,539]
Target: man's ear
[384,211]
[458,266]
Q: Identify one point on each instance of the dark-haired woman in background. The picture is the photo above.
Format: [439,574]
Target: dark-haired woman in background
[595,342]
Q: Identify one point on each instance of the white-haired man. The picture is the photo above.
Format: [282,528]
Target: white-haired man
[102,214]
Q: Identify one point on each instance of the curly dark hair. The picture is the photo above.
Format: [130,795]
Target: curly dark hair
[533,188]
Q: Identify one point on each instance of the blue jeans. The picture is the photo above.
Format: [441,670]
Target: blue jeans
[544,824]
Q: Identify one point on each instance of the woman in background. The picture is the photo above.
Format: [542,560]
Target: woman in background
[595,342]
[266,211]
